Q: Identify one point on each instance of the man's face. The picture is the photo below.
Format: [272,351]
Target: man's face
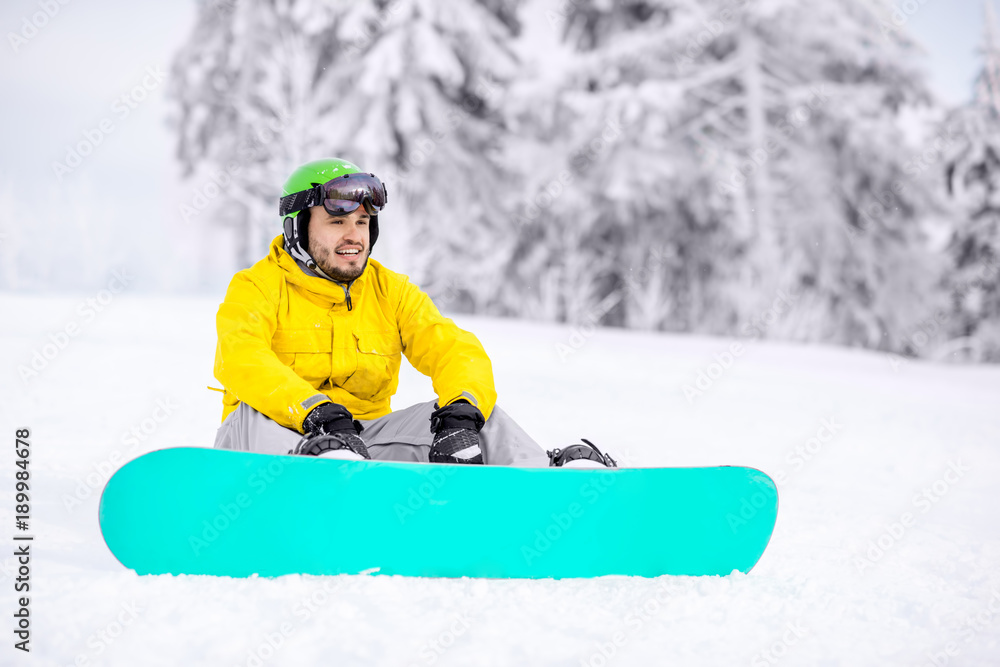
[339,243]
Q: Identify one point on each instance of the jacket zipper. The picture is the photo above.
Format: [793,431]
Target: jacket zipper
[347,293]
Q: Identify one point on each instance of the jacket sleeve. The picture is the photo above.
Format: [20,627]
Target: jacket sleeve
[246,365]
[454,359]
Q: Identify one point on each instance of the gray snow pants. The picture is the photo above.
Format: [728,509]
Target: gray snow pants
[403,435]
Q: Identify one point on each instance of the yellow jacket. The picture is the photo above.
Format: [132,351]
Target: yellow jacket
[289,342]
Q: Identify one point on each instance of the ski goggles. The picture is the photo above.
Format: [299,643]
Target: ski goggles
[339,196]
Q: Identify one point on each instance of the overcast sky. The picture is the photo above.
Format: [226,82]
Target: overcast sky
[70,75]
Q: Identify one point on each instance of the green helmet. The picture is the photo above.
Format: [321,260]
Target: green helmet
[301,191]
[316,172]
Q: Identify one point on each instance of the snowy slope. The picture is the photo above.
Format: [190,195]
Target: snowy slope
[853,438]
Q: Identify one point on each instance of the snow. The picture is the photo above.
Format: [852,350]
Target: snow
[868,450]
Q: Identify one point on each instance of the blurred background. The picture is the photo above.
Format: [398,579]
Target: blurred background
[783,169]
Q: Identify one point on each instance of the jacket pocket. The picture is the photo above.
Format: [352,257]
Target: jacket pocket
[306,351]
[378,365]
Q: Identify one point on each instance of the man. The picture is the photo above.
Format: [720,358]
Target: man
[310,340]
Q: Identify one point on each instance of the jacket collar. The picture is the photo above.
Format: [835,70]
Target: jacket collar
[309,280]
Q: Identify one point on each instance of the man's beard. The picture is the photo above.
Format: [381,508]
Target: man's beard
[322,257]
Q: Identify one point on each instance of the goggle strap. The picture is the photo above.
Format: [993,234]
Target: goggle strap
[300,200]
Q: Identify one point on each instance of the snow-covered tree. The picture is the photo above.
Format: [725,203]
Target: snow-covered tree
[405,88]
[759,152]
[422,110]
[973,180]
[610,200]
[244,85]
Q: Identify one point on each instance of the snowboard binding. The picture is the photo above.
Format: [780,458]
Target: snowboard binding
[456,434]
[450,442]
[586,455]
[338,445]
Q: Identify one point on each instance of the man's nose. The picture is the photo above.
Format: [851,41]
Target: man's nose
[353,234]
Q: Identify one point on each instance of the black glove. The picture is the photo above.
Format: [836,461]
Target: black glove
[330,426]
[329,418]
[456,433]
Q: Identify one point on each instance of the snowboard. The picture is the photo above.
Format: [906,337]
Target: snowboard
[191,510]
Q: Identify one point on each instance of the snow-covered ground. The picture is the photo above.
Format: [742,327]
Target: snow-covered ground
[886,551]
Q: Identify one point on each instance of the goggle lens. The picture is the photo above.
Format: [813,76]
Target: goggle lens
[344,194]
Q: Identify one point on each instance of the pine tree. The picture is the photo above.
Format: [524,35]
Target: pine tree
[421,109]
[973,179]
[759,155]
[244,86]
[404,88]
[597,241]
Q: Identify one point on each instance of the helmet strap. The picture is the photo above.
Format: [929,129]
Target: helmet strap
[302,199]
[296,232]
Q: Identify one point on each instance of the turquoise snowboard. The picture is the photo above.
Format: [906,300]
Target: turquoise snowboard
[206,511]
